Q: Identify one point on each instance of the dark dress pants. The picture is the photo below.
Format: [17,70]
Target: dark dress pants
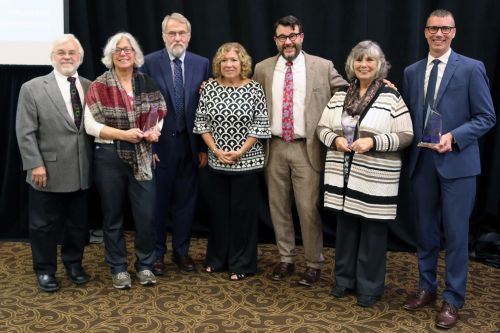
[115,182]
[446,202]
[360,254]
[176,179]
[232,240]
[57,217]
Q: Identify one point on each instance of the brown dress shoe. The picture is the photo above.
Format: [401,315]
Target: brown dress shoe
[447,316]
[282,271]
[310,276]
[159,267]
[186,263]
[420,299]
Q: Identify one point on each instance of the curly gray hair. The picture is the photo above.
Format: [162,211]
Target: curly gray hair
[107,58]
[370,49]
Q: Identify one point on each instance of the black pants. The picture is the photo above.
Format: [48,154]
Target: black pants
[57,217]
[232,242]
[115,182]
[360,254]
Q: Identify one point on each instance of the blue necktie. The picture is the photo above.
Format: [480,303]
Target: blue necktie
[431,85]
[179,96]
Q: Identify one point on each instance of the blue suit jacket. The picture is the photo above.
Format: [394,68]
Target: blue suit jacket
[196,70]
[464,102]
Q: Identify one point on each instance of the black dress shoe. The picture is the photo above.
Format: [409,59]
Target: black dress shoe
[186,263]
[310,276]
[447,316]
[47,282]
[420,299]
[282,271]
[340,291]
[366,301]
[159,266]
[77,274]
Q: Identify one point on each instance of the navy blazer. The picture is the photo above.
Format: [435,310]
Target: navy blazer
[196,70]
[465,104]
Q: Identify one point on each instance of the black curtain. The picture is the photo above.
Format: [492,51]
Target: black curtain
[331,28]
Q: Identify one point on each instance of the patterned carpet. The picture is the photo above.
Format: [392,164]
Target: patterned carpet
[202,302]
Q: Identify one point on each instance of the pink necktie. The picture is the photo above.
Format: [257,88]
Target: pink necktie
[287,115]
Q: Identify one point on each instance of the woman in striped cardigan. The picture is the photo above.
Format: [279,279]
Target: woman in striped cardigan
[364,126]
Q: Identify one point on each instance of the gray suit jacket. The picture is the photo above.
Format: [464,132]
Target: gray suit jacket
[322,81]
[47,136]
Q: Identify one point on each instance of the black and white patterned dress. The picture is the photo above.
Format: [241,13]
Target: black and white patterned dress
[231,114]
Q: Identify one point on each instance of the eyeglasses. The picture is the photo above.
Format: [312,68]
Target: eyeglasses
[292,36]
[173,34]
[62,53]
[444,29]
[126,50]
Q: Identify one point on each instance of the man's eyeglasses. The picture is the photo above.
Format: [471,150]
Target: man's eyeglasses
[126,50]
[292,36]
[444,29]
[172,34]
[62,53]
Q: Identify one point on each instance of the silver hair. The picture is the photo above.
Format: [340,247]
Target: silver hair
[66,38]
[107,58]
[176,17]
[370,49]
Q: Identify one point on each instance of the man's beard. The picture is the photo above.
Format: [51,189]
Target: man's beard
[297,49]
[177,50]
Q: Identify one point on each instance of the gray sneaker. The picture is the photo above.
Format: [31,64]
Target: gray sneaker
[122,280]
[146,277]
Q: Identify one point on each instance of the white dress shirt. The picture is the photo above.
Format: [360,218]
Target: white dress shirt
[172,64]
[64,86]
[299,96]
[441,67]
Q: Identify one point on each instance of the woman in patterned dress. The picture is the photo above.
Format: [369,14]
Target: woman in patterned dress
[232,119]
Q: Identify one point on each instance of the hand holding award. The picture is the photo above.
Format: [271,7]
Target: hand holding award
[431,135]
[150,128]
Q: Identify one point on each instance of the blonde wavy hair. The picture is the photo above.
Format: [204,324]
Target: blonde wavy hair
[244,57]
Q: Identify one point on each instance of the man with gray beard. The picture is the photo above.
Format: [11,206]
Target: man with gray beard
[179,153]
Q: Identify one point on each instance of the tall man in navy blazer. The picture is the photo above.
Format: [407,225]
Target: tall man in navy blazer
[179,153]
[443,177]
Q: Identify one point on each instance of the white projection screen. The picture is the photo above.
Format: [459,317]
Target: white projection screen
[28,28]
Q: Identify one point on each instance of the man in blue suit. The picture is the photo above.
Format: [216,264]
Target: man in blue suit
[179,153]
[443,176]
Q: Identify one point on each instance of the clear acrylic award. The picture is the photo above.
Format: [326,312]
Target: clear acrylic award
[151,120]
[432,129]
[349,125]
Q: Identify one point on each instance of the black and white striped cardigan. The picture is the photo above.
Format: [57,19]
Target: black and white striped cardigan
[372,188]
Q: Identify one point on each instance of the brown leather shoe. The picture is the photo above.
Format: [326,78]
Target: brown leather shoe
[159,267]
[282,271]
[310,276]
[420,299]
[186,263]
[447,316]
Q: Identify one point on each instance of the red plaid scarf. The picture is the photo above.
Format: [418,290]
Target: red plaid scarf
[108,103]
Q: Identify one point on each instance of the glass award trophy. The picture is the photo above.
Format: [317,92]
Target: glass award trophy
[432,129]
[349,125]
[151,120]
